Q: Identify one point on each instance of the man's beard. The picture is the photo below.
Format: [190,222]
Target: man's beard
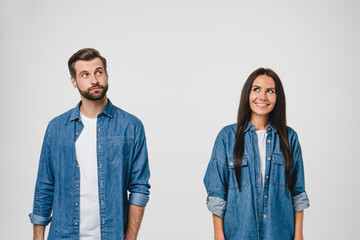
[97,95]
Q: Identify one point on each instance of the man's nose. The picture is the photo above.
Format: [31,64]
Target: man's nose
[93,79]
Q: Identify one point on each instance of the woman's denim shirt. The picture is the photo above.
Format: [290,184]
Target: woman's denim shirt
[123,167]
[253,212]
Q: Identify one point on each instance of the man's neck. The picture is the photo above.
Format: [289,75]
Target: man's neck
[92,108]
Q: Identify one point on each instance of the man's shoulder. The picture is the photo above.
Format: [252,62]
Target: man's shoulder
[62,118]
[125,116]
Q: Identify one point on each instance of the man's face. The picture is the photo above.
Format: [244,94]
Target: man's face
[91,79]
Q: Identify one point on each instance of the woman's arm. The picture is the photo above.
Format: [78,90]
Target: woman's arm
[299,216]
[218,228]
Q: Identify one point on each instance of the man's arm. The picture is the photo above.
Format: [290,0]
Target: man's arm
[218,228]
[136,214]
[44,191]
[39,232]
[299,216]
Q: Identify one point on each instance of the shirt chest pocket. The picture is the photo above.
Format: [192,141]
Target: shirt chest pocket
[245,182]
[277,177]
[120,150]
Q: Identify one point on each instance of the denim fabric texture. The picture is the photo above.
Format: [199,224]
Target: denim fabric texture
[122,162]
[253,212]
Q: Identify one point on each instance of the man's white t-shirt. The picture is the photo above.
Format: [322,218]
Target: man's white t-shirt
[85,147]
[261,135]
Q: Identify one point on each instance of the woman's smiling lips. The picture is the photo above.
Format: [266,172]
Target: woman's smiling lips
[262,105]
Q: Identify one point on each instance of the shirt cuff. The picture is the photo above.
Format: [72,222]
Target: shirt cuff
[138,199]
[39,220]
[216,205]
[300,202]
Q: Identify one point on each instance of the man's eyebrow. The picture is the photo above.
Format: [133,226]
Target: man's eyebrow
[84,71]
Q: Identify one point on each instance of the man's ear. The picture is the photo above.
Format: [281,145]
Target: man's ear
[73,81]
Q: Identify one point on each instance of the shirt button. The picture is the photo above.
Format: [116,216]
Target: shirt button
[265,196]
[79,120]
[269,158]
[76,185]
[269,141]
[99,146]
[76,224]
[231,163]
[76,204]
[265,216]
[77,133]
[77,166]
[267,177]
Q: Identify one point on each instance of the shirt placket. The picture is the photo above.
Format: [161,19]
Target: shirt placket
[269,150]
[101,173]
[258,186]
[78,127]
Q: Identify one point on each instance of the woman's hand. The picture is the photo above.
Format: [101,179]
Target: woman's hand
[218,228]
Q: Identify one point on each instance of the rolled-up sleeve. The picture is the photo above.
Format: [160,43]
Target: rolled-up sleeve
[44,189]
[299,196]
[140,173]
[216,178]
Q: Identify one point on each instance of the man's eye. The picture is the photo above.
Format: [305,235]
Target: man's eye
[98,72]
[85,75]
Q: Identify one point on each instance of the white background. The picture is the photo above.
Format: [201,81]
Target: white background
[179,66]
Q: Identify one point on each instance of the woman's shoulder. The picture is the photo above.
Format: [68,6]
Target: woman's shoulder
[292,136]
[228,130]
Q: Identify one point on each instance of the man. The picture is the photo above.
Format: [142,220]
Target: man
[91,157]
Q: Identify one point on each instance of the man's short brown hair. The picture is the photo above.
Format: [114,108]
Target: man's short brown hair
[85,54]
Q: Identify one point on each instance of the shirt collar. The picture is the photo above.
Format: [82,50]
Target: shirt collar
[252,127]
[108,111]
[271,126]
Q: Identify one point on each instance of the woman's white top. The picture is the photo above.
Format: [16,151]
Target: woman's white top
[261,135]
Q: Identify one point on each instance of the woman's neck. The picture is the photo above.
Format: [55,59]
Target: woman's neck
[260,122]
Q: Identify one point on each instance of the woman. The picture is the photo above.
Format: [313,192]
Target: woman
[255,177]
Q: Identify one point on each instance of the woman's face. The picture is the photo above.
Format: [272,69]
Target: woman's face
[262,96]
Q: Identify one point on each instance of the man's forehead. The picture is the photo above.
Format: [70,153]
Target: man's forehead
[82,65]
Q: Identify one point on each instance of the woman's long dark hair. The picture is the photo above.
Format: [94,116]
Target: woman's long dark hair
[277,117]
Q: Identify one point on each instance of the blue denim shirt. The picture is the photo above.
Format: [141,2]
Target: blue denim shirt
[122,162]
[253,212]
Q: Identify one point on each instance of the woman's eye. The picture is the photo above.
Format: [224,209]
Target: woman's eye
[271,91]
[256,90]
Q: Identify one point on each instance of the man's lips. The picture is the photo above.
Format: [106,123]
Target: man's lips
[95,88]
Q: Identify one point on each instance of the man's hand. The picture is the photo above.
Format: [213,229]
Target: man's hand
[136,214]
[39,232]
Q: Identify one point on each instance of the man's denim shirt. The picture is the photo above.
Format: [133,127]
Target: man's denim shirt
[253,212]
[122,163]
